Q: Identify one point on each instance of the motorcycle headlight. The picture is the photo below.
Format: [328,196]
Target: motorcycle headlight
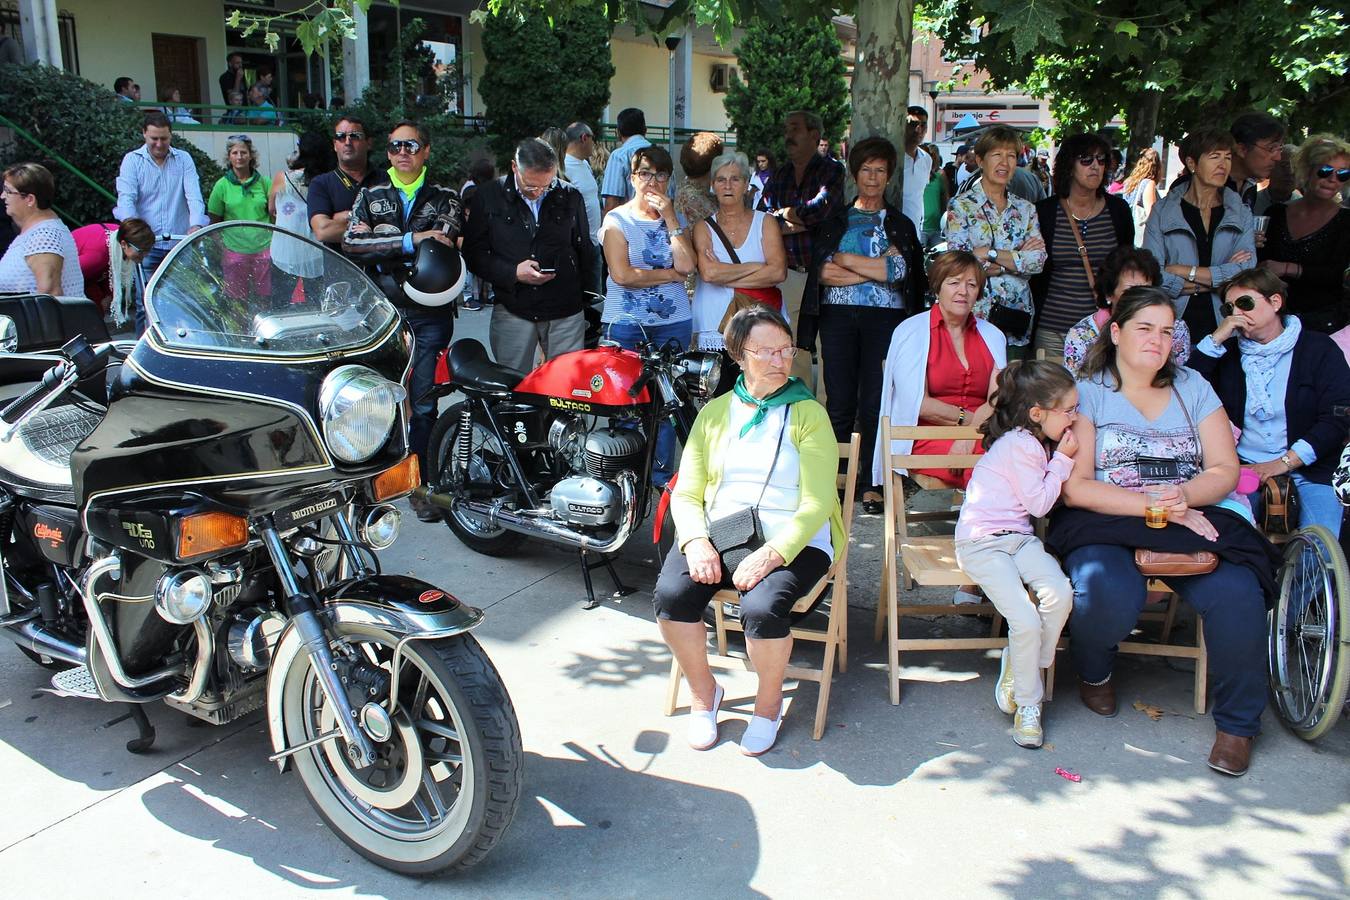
[702,372]
[358,408]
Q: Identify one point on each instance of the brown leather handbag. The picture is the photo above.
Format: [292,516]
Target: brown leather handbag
[1159,564]
[1279,505]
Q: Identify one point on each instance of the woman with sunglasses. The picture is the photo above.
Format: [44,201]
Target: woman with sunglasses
[1201,232]
[767,446]
[649,256]
[1081,224]
[43,258]
[241,196]
[1281,383]
[1308,239]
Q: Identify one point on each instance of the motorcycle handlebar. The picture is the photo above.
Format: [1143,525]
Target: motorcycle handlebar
[82,361]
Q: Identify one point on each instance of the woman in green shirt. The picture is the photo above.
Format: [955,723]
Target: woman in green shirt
[242,196]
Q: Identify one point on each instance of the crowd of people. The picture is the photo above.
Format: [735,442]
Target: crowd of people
[1197,339]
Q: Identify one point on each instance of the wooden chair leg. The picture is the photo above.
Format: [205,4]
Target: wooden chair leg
[841,631]
[996,626]
[893,644]
[823,700]
[1170,618]
[1201,668]
[720,623]
[880,628]
[1050,682]
[673,689]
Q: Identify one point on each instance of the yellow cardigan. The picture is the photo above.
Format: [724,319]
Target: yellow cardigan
[701,467]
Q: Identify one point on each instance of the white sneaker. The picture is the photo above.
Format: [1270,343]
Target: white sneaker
[760,734]
[961,597]
[703,722]
[1027,730]
[1003,688]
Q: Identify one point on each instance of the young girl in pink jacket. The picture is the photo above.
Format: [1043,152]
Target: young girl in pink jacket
[1029,454]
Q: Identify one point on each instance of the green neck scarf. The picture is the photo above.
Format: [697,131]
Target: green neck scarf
[791,392]
[408,190]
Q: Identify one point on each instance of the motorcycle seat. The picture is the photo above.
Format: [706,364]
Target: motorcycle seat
[470,368]
[36,461]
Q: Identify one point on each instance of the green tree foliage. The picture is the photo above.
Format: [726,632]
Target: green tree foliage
[787,65]
[541,74]
[88,126]
[1168,65]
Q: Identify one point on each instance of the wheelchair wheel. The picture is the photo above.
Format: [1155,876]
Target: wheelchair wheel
[1310,625]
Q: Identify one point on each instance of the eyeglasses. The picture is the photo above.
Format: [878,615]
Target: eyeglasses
[344,136]
[783,354]
[646,176]
[1246,303]
[1326,171]
[1272,149]
[534,189]
[13,192]
[241,138]
[1069,411]
[1089,159]
[410,147]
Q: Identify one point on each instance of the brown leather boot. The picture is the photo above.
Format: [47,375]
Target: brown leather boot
[1231,755]
[1100,698]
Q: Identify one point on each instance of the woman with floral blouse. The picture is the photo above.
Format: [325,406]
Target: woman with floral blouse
[1003,232]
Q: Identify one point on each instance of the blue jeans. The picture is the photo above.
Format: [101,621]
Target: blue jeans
[1318,505]
[149,264]
[628,335]
[431,335]
[1108,595]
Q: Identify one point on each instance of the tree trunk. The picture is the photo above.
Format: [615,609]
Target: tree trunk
[1142,119]
[881,75]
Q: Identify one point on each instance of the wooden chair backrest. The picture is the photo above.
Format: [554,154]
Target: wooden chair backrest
[848,480]
[893,461]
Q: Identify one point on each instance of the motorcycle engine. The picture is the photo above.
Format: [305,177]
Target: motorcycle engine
[594,498]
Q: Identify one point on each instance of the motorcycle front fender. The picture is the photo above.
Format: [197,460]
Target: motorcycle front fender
[395,603]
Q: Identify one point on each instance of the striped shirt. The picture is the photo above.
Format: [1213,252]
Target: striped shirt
[1069,297]
[167,197]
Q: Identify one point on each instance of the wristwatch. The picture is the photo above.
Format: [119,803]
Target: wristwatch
[961,417]
[992,254]
[677,232]
[1190,276]
[1288,463]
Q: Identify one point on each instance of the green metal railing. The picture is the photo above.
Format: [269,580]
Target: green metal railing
[52,156]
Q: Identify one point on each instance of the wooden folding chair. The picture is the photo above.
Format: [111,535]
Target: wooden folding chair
[1166,648]
[909,560]
[834,636]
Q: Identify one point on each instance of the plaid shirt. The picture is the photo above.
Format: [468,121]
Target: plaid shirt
[814,200]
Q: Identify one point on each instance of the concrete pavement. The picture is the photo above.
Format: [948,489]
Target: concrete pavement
[930,798]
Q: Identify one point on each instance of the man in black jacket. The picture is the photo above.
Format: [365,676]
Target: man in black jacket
[387,222]
[528,235]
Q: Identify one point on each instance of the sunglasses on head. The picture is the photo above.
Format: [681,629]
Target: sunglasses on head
[240,137]
[342,136]
[1089,159]
[1325,171]
[1246,303]
[410,147]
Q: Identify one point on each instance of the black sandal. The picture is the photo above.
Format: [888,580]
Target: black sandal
[873,507]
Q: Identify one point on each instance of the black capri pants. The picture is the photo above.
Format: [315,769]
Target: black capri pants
[765,608]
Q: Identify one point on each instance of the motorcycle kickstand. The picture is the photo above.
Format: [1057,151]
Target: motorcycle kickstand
[620,589]
[143,741]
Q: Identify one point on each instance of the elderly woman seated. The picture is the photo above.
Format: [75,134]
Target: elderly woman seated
[765,451]
[1156,435]
[1281,383]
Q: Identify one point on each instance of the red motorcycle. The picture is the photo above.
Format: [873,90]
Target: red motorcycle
[563,454]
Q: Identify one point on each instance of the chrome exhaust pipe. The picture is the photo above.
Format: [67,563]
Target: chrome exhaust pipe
[32,634]
[547,528]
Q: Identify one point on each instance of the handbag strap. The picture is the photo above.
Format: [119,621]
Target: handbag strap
[1199,448]
[1082,250]
[778,448]
[722,236]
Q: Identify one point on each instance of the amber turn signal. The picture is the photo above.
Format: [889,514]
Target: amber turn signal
[210,532]
[398,480]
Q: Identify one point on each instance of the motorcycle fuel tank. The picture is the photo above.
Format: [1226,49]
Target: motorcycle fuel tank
[588,381]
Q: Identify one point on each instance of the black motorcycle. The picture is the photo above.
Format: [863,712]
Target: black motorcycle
[195,518]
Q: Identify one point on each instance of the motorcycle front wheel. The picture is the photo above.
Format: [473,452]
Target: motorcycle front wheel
[446,783]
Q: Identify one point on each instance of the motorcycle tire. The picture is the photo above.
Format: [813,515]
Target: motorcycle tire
[473,533]
[455,732]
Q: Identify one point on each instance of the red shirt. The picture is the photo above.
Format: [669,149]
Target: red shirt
[964,386]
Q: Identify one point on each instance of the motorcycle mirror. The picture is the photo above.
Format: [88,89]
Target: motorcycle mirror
[9,335]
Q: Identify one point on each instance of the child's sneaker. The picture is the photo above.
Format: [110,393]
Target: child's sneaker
[1003,688]
[1027,726]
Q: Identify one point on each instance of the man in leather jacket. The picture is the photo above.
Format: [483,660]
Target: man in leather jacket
[527,233]
[387,222]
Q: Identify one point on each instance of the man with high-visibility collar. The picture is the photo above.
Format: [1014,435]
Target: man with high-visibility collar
[387,223]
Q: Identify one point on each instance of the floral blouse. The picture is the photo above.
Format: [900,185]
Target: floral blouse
[1080,338]
[973,221]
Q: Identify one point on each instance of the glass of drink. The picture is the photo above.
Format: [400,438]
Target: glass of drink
[1261,222]
[1155,513]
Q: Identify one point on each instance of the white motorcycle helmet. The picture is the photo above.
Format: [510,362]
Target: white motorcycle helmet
[437,276]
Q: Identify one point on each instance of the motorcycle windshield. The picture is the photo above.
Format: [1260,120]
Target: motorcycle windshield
[248,287]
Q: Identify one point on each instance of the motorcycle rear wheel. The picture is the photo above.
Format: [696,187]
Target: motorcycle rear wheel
[447,783]
[485,458]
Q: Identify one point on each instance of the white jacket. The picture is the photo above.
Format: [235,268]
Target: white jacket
[905,378]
